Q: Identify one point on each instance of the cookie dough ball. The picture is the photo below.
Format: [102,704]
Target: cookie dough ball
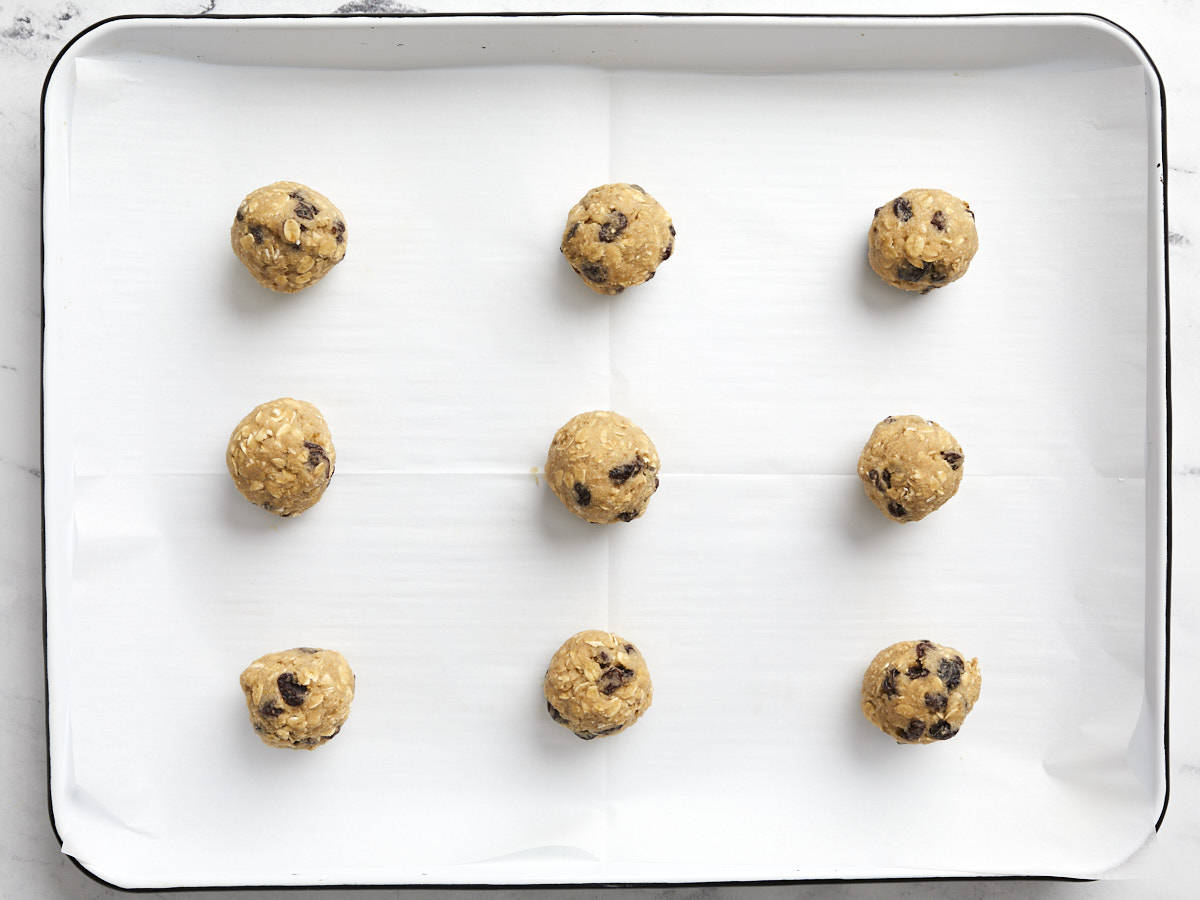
[288,236]
[919,692]
[616,236]
[281,456]
[597,684]
[299,698]
[924,239]
[602,467]
[910,467]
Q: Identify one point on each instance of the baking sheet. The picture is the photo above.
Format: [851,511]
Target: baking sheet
[453,341]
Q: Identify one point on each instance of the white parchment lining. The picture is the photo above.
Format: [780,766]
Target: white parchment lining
[446,350]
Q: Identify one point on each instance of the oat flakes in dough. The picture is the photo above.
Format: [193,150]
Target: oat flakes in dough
[281,456]
[910,467]
[919,692]
[288,235]
[597,684]
[602,467]
[298,699]
[924,239]
[616,236]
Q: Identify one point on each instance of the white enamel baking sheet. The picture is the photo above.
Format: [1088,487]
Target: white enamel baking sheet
[454,340]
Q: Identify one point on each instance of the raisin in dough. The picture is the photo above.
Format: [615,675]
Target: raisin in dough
[597,684]
[910,467]
[298,698]
[924,239]
[288,236]
[919,692]
[616,236]
[281,456]
[602,467]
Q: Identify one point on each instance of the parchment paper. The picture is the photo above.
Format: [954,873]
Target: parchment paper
[447,349]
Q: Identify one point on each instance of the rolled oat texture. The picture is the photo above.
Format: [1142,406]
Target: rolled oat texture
[910,467]
[919,692]
[288,236]
[597,684]
[602,467]
[281,456]
[616,237]
[922,240]
[298,699]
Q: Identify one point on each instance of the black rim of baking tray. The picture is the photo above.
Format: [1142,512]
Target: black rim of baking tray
[1168,423]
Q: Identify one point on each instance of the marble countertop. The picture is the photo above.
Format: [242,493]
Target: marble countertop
[33,32]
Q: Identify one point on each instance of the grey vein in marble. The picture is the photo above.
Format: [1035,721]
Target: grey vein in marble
[28,26]
[378,6]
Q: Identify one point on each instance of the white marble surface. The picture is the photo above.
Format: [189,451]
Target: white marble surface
[32,33]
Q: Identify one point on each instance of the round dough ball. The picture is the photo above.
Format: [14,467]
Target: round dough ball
[919,692]
[602,467]
[924,239]
[616,236]
[597,684]
[299,698]
[910,467]
[281,456]
[288,235]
